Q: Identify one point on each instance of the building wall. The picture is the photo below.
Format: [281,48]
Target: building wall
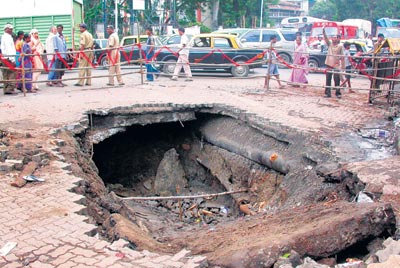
[28,8]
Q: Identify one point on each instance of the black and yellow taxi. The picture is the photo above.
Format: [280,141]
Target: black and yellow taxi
[214,52]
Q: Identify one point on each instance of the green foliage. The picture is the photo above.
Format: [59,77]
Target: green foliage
[325,10]
[356,9]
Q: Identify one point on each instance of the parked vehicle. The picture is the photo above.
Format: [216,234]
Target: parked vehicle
[260,38]
[364,26]
[100,52]
[302,23]
[174,40]
[235,31]
[317,58]
[132,49]
[333,28]
[215,52]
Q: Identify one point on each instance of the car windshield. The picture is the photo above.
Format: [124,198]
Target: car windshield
[330,31]
[238,42]
[238,32]
[289,36]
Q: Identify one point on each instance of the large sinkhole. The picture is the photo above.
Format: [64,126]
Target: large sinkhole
[285,189]
[175,159]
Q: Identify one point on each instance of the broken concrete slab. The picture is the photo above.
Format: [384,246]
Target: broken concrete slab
[319,230]
[392,262]
[170,175]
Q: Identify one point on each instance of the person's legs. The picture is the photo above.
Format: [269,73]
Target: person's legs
[328,81]
[178,68]
[35,78]
[52,67]
[82,72]
[186,66]
[8,87]
[118,73]
[111,73]
[149,72]
[336,78]
[89,70]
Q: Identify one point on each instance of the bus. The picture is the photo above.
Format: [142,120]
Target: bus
[303,23]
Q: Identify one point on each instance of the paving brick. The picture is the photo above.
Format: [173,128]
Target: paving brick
[69,264]
[38,264]
[62,259]
[11,265]
[44,250]
[60,251]
[84,260]
[107,262]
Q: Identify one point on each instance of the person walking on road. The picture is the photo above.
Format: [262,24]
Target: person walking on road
[272,66]
[114,69]
[300,71]
[334,64]
[85,57]
[151,72]
[183,59]
[8,49]
[348,66]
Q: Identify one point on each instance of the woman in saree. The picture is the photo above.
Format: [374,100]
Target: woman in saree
[37,49]
[300,62]
[27,63]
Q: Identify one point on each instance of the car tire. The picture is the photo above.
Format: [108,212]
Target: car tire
[169,67]
[103,62]
[313,65]
[286,58]
[240,71]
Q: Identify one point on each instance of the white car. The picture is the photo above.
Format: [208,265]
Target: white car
[260,38]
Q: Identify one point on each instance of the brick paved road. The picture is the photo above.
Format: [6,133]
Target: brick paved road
[42,217]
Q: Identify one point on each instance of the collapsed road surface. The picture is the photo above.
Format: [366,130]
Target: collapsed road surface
[300,179]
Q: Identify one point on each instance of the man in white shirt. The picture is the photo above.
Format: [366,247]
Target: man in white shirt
[9,52]
[183,59]
[51,58]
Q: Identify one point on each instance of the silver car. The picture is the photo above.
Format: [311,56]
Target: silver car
[260,38]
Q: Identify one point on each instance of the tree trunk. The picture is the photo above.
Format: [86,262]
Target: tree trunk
[215,11]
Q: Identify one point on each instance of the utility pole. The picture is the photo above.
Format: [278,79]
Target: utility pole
[261,15]
[104,18]
[116,15]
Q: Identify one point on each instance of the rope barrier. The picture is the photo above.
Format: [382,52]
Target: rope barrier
[362,64]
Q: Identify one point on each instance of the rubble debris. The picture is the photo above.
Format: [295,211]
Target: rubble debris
[28,170]
[169,174]
[7,248]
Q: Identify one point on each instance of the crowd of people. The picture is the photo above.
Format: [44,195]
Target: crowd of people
[26,49]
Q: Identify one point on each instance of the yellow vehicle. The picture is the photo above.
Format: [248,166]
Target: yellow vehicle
[215,52]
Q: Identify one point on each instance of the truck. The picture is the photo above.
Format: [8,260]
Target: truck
[26,15]
[333,28]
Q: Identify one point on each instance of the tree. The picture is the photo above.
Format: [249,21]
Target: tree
[325,10]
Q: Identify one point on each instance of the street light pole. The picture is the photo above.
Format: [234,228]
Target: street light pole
[104,18]
[261,15]
[116,15]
